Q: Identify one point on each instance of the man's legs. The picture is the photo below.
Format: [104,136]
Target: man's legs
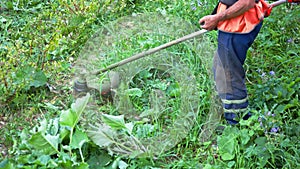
[229,73]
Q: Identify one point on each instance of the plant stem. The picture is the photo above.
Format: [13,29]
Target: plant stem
[81,155]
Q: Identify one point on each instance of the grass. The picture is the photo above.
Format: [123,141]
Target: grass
[41,41]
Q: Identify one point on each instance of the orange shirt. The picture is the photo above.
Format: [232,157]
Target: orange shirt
[245,22]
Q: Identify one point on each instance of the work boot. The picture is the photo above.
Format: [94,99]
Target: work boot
[233,119]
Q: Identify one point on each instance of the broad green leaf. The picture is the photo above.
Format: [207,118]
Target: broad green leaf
[67,118]
[102,135]
[115,122]
[64,156]
[80,104]
[135,92]
[32,76]
[79,138]
[71,116]
[94,161]
[38,79]
[226,146]
[244,136]
[47,144]
[227,156]
[43,141]
[63,132]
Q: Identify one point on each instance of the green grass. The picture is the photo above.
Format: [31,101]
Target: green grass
[41,41]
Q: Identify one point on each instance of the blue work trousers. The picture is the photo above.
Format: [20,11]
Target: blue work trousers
[229,74]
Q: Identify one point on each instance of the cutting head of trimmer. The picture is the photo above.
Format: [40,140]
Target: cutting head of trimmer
[105,87]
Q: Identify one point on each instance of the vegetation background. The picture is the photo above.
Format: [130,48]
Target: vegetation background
[40,41]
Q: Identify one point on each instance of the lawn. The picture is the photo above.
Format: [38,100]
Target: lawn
[163,113]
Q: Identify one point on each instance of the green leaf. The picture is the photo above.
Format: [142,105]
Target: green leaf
[67,118]
[144,74]
[63,132]
[47,144]
[226,144]
[227,156]
[135,92]
[38,78]
[32,77]
[102,135]
[43,160]
[231,164]
[94,161]
[115,122]
[244,136]
[173,90]
[43,141]
[261,141]
[79,138]
[71,116]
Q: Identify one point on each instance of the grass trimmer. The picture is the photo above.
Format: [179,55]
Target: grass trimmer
[82,86]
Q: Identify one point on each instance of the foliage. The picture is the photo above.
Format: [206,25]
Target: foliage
[44,146]
[40,40]
[35,50]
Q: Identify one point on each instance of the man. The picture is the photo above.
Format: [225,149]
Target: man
[238,23]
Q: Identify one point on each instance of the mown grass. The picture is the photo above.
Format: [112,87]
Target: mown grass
[40,42]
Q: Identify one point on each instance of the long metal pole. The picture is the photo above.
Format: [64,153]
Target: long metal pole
[150,51]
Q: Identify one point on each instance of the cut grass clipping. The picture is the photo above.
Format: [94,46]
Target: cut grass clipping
[158,98]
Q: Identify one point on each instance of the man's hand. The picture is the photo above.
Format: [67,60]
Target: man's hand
[209,22]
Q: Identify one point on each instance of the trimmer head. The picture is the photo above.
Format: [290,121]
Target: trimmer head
[81,87]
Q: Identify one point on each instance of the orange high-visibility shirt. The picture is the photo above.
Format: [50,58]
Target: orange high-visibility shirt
[245,22]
